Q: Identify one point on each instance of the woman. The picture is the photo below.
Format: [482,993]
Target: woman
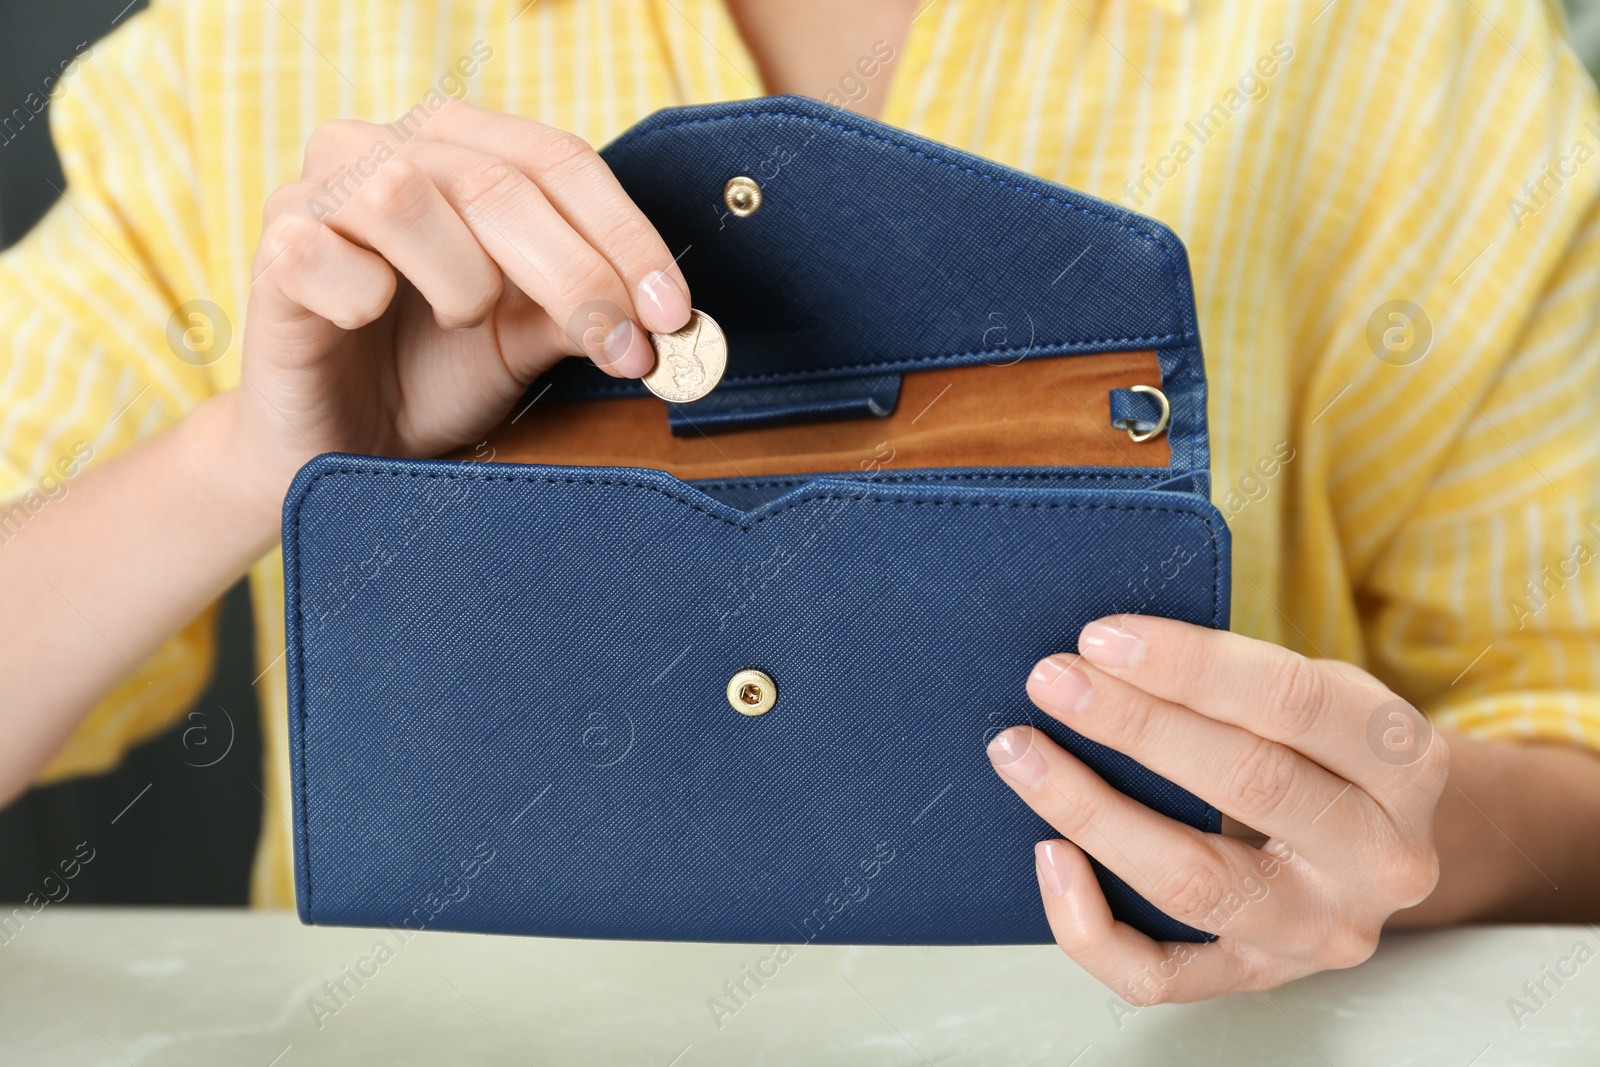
[1390,211]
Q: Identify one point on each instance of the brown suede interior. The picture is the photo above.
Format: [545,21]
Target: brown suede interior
[1035,413]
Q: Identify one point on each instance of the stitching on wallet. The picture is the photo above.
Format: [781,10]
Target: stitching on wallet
[1119,224]
[299,613]
[909,479]
[861,497]
[304,845]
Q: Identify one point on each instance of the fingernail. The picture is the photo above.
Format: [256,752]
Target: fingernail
[1110,646]
[626,351]
[1059,686]
[663,305]
[1051,860]
[1015,757]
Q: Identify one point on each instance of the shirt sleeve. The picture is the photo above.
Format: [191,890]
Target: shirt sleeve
[86,369]
[1452,421]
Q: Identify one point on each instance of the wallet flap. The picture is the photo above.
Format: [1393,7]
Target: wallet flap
[875,252]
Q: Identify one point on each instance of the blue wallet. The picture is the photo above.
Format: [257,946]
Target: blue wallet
[725,671]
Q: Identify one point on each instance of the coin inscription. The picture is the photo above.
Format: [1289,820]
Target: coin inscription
[689,363]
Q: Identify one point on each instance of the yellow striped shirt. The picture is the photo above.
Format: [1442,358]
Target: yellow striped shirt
[1431,514]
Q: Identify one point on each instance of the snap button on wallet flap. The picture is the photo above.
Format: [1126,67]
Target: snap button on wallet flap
[726,672]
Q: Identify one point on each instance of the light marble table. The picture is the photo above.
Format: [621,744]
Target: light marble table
[170,987]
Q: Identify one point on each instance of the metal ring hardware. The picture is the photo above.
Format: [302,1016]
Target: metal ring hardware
[1161,423]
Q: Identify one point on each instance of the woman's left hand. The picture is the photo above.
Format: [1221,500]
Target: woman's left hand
[1341,775]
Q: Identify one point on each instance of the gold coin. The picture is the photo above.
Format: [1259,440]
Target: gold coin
[689,363]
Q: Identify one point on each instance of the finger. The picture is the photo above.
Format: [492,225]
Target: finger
[585,192]
[1309,705]
[542,255]
[1188,874]
[1262,783]
[340,154]
[343,158]
[400,214]
[1135,967]
[304,270]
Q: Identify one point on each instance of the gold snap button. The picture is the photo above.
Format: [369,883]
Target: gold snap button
[752,692]
[742,195]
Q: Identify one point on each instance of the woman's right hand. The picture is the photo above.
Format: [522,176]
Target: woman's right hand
[405,293]
[408,290]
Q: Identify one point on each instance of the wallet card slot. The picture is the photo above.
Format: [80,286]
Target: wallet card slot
[1052,412]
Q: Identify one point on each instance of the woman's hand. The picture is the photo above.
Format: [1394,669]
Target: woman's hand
[1340,775]
[407,290]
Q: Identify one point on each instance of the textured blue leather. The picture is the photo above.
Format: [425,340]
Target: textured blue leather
[507,704]
[1139,412]
[747,407]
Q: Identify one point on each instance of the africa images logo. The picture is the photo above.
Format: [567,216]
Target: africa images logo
[1252,85]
